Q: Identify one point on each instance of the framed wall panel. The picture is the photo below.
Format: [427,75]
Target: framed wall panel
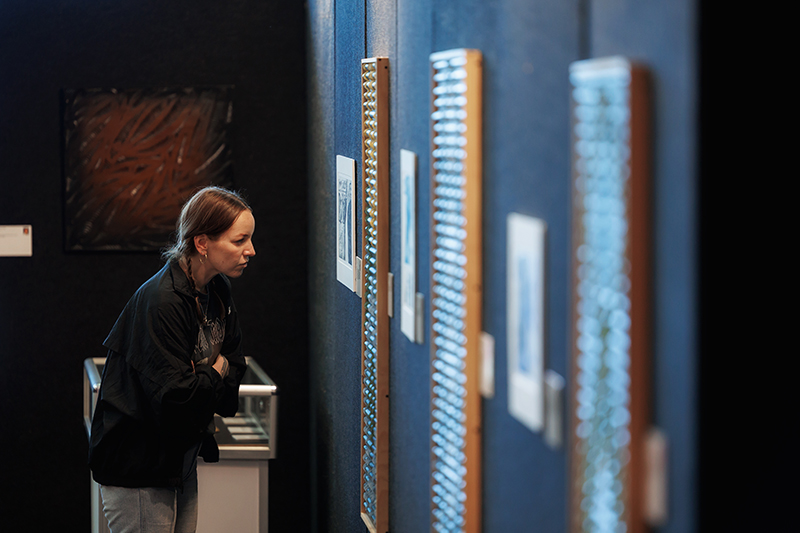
[456,291]
[374,315]
[611,293]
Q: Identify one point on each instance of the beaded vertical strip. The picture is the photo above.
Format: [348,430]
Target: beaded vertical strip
[374,319]
[456,291]
[610,295]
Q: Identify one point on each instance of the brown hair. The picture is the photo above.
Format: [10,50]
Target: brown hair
[211,211]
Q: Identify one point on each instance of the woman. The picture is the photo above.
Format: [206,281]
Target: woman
[174,359]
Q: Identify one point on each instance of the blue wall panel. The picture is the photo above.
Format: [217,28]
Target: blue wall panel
[527,47]
[463,24]
[381,28]
[337,40]
[526,170]
[410,362]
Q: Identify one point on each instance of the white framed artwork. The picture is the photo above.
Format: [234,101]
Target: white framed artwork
[525,300]
[345,220]
[408,249]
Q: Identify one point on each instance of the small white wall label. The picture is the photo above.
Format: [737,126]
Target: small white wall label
[554,409]
[16,241]
[487,365]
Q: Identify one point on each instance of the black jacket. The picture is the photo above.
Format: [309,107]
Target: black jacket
[153,406]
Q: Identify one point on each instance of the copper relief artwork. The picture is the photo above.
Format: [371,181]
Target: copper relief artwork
[131,157]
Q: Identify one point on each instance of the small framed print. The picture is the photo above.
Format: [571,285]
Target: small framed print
[408,249]
[345,220]
[525,285]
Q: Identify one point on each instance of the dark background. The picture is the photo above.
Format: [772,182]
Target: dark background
[56,308]
[746,423]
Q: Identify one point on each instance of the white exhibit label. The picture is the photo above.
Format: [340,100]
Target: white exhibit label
[408,237]
[656,452]
[16,241]
[554,406]
[525,319]
[487,365]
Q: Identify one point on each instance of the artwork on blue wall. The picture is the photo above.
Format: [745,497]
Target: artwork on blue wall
[345,220]
[611,294]
[408,249]
[132,157]
[375,327]
[525,289]
[456,289]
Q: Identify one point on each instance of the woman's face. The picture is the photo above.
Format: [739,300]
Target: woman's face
[230,252]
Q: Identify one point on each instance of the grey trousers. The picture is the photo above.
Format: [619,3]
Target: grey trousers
[151,510]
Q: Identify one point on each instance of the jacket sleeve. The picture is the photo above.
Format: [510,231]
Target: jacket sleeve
[183,398]
[232,350]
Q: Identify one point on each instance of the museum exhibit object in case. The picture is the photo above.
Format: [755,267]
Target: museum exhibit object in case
[456,298]
[236,487]
[374,445]
[611,293]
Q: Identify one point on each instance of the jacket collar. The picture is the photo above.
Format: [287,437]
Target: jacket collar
[180,281]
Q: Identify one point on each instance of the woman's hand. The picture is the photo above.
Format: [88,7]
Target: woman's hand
[221,365]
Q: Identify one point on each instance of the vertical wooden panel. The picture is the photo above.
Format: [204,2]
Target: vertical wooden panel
[374,443]
[611,308]
[456,286]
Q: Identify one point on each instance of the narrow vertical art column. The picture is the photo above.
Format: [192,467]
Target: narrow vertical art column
[611,314]
[374,313]
[456,291]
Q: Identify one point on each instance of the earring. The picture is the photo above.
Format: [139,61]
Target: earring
[203,258]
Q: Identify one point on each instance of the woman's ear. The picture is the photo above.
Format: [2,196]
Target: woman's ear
[201,244]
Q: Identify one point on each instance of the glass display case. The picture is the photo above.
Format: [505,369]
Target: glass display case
[252,433]
[246,442]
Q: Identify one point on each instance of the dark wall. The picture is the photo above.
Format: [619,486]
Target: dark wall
[56,308]
[745,427]
[527,47]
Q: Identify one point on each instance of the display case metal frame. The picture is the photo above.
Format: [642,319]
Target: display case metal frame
[249,395]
